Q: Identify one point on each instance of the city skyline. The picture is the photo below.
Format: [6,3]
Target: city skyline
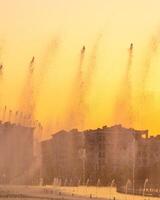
[80,99]
[54,32]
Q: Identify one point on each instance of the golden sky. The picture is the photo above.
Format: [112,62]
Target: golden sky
[106,28]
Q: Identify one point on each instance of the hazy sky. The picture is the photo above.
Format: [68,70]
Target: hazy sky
[29,27]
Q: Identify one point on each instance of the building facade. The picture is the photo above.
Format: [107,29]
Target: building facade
[61,157]
[111,153]
[16,153]
[97,157]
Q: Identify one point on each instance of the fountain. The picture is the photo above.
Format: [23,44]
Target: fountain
[71,182]
[98,184]
[127,184]
[41,182]
[82,153]
[133,174]
[112,184]
[144,187]
[65,182]
[60,182]
[79,182]
[87,183]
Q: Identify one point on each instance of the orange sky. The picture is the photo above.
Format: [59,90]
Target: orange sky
[29,27]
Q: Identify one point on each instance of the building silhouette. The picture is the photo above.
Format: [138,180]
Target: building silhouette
[99,156]
[61,157]
[16,153]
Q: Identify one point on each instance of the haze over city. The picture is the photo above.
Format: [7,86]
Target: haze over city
[54,32]
[79,99]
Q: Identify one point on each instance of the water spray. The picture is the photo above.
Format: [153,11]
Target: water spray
[4,114]
[16,117]
[27,100]
[77,108]
[92,64]
[1,70]
[47,59]
[123,106]
[31,66]
[10,116]
[144,100]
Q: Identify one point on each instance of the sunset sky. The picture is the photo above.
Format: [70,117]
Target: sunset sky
[106,28]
